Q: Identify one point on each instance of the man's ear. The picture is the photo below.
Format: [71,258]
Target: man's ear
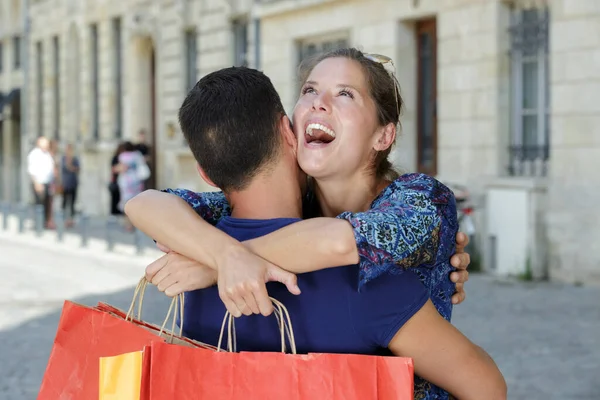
[285,127]
[204,176]
[385,138]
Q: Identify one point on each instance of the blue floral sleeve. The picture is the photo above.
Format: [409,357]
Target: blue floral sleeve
[411,224]
[211,206]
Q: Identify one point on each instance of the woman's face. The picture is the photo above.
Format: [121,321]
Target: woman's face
[335,120]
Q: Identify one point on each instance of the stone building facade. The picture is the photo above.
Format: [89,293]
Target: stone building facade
[501,96]
[11,81]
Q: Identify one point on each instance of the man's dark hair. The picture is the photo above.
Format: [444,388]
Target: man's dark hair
[230,120]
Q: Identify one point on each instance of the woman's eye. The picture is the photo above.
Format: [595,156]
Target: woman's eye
[307,90]
[347,93]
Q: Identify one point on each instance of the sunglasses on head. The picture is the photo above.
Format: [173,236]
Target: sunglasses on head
[381,59]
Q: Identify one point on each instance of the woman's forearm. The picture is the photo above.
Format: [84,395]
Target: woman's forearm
[308,245]
[170,221]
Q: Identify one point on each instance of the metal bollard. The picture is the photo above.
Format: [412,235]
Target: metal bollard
[111,227]
[39,219]
[137,237]
[84,225]
[60,225]
[5,215]
[22,215]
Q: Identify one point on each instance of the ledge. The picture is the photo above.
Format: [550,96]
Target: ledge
[273,8]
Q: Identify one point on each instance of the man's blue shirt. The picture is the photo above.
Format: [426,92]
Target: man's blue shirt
[330,316]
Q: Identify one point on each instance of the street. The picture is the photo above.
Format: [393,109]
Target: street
[544,337]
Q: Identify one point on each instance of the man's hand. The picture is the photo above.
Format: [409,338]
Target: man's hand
[460,260]
[174,274]
[241,278]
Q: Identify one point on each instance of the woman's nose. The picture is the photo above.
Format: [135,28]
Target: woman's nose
[322,102]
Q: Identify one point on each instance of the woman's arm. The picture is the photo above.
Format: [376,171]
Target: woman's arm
[170,221]
[181,219]
[446,358]
[308,245]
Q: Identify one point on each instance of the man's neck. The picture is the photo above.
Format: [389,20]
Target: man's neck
[275,194]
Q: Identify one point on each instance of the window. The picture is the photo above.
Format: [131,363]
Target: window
[94,82]
[240,42]
[191,57]
[17,52]
[530,98]
[56,54]
[309,48]
[118,79]
[39,54]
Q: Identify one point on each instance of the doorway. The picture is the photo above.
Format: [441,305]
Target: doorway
[427,96]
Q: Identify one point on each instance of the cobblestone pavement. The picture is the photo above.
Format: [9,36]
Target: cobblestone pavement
[544,337]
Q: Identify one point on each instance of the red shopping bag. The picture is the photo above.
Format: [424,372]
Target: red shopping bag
[187,373]
[84,335]
[172,371]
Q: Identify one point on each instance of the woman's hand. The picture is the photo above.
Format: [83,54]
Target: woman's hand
[174,274]
[461,261]
[242,278]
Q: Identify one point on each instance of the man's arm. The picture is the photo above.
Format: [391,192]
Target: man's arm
[446,358]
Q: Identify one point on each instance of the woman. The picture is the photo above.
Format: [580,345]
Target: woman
[417,204]
[70,182]
[113,187]
[344,141]
[131,178]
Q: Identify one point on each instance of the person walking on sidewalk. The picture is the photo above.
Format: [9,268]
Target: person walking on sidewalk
[70,182]
[40,166]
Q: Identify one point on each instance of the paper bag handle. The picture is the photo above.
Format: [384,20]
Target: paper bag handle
[283,320]
[177,304]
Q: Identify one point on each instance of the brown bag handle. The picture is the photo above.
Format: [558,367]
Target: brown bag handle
[177,304]
[283,320]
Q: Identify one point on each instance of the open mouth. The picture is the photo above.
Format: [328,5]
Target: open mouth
[318,134]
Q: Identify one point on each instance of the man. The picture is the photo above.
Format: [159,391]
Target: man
[392,315]
[41,168]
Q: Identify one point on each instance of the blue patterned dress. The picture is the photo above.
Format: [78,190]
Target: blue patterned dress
[411,224]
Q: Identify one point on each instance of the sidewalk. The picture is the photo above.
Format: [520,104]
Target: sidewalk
[90,235]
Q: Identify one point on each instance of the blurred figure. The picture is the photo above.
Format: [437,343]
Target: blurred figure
[113,187]
[55,185]
[70,181]
[133,171]
[143,147]
[41,169]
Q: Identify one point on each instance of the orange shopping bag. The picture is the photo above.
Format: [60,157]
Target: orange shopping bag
[84,335]
[185,373]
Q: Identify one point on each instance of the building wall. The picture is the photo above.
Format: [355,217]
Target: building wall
[574,192]
[471,70]
[11,78]
[474,110]
[148,27]
[473,91]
